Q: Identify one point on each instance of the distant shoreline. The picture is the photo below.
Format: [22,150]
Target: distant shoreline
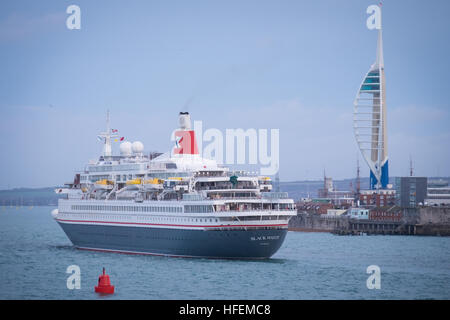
[296,190]
[320,181]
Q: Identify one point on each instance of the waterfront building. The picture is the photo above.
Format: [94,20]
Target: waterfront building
[336,197]
[358,213]
[335,212]
[438,193]
[410,191]
[391,214]
[315,206]
[377,198]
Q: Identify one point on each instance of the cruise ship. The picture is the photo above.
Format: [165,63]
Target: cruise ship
[172,204]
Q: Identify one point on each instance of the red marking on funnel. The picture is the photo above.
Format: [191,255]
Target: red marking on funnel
[104,286]
[186,143]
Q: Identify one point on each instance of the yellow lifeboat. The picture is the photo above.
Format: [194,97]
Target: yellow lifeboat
[153,181]
[134,181]
[175,178]
[105,182]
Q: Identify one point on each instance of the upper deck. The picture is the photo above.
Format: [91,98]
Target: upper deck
[178,175]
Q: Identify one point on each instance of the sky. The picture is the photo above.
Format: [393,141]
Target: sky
[290,65]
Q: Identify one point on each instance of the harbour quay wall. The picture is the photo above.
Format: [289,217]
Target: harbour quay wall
[433,221]
[312,222]
[432,230]
[434,215]
[366,226]
[344,225]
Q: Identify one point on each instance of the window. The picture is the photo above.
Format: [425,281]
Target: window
[198,209]
[370,87]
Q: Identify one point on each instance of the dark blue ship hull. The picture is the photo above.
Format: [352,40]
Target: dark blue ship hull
[231,244]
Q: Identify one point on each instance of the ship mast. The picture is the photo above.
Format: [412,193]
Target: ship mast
[106,136]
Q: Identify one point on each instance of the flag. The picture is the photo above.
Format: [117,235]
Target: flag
[100,138]
[115,140]
[114,130]
[121,139]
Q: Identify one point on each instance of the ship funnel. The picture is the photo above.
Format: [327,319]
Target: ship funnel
[185,137]
[185,121]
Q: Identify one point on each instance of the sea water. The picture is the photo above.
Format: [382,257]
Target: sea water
[35,254]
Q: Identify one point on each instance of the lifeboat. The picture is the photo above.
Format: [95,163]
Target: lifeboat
[104,184]
[134,181]
[153,184]
[153,181]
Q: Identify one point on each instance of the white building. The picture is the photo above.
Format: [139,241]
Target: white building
[358,213]
[438,193]
[335,212]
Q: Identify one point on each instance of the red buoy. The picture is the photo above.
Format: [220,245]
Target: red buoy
[104,286]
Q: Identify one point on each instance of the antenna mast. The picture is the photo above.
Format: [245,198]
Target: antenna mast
[106,136]
[358,179]
[410,166]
